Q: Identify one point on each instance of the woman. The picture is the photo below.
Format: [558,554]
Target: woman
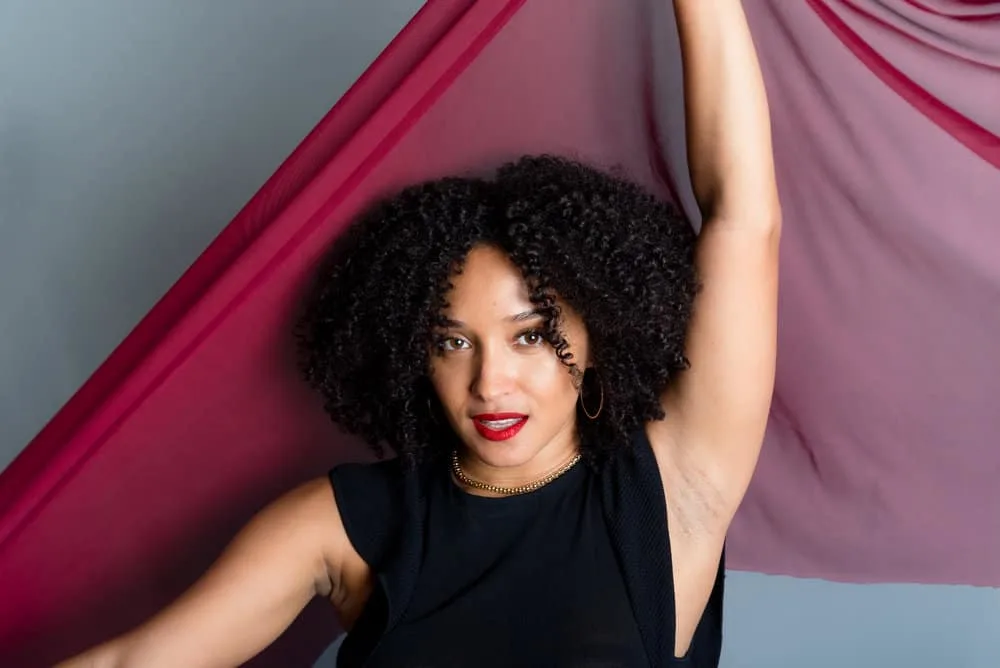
[577,417]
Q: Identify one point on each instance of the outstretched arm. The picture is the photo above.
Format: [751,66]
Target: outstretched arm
[717,411]
[290,552]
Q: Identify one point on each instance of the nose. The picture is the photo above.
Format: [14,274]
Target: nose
[494,374]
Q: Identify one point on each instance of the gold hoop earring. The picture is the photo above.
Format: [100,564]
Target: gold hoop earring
[600,406]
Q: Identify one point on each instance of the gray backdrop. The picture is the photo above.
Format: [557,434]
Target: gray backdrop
[131,131]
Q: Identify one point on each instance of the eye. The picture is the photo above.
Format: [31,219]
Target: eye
[451,343]
[531,338]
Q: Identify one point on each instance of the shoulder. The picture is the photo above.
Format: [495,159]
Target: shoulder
[369,500]
[380,478]
[633,463]
[631,487]
[650,473]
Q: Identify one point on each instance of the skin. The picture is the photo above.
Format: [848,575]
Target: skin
[706,450]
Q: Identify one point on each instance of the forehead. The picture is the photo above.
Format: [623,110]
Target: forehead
[491,292]
[489,283]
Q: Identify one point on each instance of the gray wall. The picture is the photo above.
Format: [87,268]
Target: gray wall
[130,133]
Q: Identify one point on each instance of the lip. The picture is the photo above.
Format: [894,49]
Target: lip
[499,435]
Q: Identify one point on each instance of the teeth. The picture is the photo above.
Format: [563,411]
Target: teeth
[500,424]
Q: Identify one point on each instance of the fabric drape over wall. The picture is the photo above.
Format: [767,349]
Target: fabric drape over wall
[881,456]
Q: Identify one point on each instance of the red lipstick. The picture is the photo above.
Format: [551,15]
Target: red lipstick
[499,426]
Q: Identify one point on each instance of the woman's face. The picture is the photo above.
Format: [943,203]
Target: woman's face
[502,387]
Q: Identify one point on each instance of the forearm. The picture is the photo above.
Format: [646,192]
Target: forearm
[728,126]
[282,559]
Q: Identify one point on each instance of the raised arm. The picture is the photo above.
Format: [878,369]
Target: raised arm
[290,552]
[717,411]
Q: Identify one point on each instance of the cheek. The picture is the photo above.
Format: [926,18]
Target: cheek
[450,381]
[548,380]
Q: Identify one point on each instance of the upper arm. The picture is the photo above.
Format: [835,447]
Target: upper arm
[716,412]
[291,551]
[717,409]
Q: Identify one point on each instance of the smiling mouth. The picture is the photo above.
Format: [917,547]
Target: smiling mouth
[499,427]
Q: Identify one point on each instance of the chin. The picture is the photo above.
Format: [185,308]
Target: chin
[515,452]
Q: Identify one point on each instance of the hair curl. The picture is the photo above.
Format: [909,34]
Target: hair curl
[617,255]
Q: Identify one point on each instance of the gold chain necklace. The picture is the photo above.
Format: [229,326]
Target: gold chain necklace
[509,491]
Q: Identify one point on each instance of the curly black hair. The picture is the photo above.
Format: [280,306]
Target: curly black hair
[617,255]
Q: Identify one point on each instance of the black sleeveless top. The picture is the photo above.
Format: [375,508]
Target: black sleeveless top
[576,573]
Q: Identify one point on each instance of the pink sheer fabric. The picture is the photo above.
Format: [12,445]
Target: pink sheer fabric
[882,448]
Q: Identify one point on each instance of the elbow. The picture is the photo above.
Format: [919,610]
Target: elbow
[771,226]
[760,216]
[761,226]
[765,218]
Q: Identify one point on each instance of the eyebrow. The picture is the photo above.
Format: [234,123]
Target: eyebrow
[519,317]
